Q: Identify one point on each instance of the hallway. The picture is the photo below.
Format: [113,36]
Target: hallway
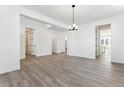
[61,70]
[105,57]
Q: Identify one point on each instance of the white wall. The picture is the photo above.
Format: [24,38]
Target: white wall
[82,42]
[9,39]
[117,39]
[42,37]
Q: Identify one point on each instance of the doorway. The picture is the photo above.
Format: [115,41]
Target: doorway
[103,43]
[65,44]
[54,43]
[28,42]
[59,42]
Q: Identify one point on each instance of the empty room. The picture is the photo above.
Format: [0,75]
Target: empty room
[62,46]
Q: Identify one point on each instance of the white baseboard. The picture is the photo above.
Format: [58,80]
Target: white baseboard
[43,54]
[117,62]
[9,69]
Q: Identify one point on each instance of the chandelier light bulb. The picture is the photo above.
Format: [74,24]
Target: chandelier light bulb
[74,26]
[69,27]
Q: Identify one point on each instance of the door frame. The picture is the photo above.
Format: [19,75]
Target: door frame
[28,29]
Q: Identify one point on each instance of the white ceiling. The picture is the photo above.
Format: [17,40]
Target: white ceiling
[83,13]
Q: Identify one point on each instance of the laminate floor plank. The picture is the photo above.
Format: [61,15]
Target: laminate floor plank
[60,70]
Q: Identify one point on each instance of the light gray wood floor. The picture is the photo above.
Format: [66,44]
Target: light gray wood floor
[60,70]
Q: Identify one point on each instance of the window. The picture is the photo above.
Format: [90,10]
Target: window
[102,41]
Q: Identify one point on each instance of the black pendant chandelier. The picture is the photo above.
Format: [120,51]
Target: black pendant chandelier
[74,26]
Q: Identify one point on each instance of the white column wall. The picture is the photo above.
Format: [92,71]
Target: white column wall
[9,39]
